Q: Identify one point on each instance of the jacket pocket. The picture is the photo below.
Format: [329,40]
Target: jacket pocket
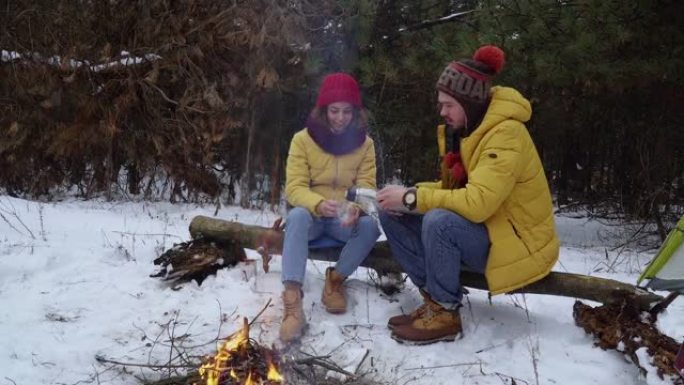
[517,234]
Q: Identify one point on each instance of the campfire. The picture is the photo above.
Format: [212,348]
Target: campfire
[241,361]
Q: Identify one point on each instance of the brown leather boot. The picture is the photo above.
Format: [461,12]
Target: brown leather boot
[294,320]
[333,296]
[435,324]
[406,319]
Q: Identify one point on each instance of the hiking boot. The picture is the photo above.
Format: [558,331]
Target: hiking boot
[333,296]
[435,324]
[293,316]
[406,319]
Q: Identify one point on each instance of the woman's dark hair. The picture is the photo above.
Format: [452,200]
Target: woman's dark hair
[319,115]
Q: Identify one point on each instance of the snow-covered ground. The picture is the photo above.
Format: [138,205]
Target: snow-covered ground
[74,284]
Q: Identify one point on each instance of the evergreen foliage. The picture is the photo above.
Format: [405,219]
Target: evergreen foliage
[237,78]
[605,79]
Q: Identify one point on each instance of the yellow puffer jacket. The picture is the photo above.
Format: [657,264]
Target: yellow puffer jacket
[313,175]
[506,190]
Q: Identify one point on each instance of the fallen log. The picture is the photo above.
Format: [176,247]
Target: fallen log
[270,240]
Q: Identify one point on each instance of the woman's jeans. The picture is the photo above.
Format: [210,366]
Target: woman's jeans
[432,248]
[302,227]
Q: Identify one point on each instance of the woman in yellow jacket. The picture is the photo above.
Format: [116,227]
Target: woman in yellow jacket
[330,155]
[492,211]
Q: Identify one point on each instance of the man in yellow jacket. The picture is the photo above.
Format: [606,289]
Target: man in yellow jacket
[491,212]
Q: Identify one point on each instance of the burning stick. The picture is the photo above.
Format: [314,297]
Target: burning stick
[241,361]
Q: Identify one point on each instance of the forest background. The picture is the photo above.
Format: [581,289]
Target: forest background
[196,101]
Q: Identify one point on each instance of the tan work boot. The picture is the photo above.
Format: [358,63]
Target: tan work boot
[333,296]
[435,324]
[294,320]
[406,319]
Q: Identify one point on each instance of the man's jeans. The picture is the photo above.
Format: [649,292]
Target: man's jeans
[431,249]
[302,227]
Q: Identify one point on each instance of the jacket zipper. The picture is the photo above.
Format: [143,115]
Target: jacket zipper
[334,184]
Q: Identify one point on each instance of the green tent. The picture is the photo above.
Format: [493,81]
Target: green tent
[666,270]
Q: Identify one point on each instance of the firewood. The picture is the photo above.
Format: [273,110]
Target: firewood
[623,327]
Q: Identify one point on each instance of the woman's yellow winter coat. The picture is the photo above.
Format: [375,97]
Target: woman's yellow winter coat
[313,175]
[506,190]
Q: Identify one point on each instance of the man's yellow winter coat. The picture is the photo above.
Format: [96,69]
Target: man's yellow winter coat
[506,190]
[313,175]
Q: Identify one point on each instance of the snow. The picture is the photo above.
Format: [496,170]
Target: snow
[74,284]
[125,60]
[455,15]
[7,56]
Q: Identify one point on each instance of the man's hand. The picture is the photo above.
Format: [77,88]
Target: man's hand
[327,208]
[390,197]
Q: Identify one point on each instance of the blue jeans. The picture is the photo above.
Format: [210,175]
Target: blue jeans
[302,227]
[432,248]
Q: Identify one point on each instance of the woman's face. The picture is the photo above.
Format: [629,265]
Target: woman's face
[340,114]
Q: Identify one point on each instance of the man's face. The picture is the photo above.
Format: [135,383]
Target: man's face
[451,110]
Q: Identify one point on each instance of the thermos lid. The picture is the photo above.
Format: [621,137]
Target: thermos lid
[351,194]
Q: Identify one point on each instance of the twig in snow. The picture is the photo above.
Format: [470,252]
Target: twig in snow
[443,366]
[13,213]
[104,360]
[42,223]
[514,380]
[97,375]
[490,347]
[261,312]
[324,364]
[147,234]
[10,224]
[367,309]
[534,350]
[222,319]
[218,338]
[171,334]
[356,371]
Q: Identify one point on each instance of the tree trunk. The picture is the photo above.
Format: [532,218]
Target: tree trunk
[380,259]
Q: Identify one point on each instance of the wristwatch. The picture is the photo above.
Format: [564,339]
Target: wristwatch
[410,199]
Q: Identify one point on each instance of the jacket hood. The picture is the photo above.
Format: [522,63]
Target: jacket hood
[507,103]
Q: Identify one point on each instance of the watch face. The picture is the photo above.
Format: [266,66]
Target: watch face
[410,198]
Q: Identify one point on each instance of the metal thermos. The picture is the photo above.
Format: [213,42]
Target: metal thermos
[359,194]
[364,197]
[367,199]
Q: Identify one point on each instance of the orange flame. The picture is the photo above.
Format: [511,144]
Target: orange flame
[273,374]
[235,346]
[249,381]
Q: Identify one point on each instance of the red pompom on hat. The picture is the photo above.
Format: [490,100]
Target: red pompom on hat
[492,56]
[339,87]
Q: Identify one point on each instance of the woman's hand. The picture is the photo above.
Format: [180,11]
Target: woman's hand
[391,197]
[351,217]
[327,208]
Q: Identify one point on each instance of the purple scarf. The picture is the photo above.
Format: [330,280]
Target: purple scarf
[336,144]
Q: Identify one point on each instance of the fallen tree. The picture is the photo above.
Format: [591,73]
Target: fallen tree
[267,241]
